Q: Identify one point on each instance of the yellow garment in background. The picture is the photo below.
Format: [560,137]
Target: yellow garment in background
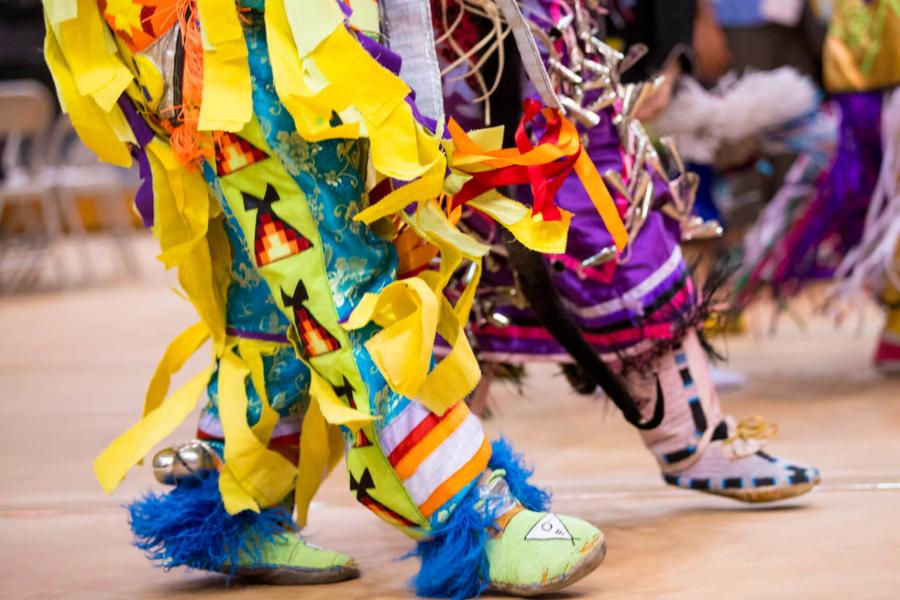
[862,49]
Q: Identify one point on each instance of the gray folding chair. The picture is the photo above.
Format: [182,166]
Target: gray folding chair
[26,114]
[76,174]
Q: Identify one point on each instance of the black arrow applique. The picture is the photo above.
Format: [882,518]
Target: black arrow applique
[362,487]
[315,340]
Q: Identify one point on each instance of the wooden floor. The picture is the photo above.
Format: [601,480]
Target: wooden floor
[73,367]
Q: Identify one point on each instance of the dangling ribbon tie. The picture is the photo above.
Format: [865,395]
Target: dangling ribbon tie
[544,167]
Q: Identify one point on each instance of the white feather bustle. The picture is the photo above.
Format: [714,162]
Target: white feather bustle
[737,109]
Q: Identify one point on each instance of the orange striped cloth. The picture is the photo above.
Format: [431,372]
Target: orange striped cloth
[435,457]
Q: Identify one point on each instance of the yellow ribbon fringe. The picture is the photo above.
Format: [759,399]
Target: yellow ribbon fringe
[252,476]
[227,96]
[102,127]
[413,311]
[161,415]
[179,351]
[89,49]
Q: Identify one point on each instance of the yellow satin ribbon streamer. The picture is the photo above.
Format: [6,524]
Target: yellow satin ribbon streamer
[413,310]
[252,476]
[161,415]
[400,147]
[321,448]
[100,131]
[182,212]
[181,203]
[547,237]
[152,80]
[426,187]
[332,408]
[407,310]
[321,443]
[365,15]
[251,352]
[130,447]
[411,313]
[179,351]
[310,111]
[457,374]
[227,95]
[433,226]
[57,11]
[312,22]
[89,50]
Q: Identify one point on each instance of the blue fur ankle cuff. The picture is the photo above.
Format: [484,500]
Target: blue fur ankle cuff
[454,561]
[190,527]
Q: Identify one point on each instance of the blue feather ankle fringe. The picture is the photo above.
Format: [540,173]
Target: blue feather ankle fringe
[190,527]
[454,561]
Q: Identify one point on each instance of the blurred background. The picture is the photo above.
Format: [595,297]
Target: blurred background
[66,220]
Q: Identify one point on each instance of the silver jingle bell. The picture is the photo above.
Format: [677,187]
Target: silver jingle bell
[162,466]
[187,461]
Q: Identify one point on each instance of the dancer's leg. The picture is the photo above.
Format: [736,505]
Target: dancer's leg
[640,311]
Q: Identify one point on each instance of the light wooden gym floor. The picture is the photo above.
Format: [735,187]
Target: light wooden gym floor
[73,368]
